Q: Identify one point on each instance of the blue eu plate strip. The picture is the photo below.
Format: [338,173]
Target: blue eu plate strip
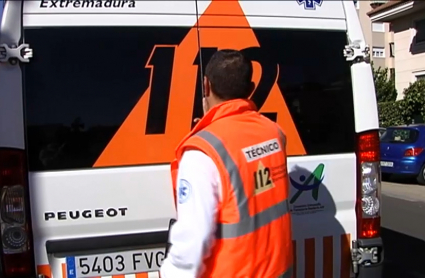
[70,267]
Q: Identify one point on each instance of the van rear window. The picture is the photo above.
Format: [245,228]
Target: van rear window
[120,96]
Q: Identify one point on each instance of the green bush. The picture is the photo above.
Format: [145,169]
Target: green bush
[389,113]
[412,107]
[384,85]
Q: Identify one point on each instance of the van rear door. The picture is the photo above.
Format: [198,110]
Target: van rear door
[101,205]
[303,82]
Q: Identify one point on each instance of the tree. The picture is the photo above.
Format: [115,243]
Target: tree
[384,85]
[412,107]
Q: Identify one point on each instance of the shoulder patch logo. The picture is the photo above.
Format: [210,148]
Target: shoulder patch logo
[184,191]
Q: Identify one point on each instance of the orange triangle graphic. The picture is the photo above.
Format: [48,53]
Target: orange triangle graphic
[223,25]
[130,145]
[218,29]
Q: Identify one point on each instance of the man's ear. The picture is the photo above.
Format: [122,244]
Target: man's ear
[207,87]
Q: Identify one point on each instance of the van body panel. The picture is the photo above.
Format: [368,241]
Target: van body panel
[11,111]
[117,201]
[294,9]
[49,7]
[323,225]
[364,96]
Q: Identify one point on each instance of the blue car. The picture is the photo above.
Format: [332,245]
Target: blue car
[402,151]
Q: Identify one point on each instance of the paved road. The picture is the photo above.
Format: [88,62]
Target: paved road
[403,222]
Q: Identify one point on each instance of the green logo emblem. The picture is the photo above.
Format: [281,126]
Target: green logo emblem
[312,183]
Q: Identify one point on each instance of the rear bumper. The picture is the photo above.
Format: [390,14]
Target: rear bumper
[375,270]
[119,242]
[405,167]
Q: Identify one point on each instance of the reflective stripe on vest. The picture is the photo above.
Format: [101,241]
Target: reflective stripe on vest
[247,224]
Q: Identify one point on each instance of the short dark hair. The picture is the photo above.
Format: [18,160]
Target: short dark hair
[230,74]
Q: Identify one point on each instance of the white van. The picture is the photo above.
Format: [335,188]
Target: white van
[95,96]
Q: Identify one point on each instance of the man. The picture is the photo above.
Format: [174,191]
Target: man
[231,184]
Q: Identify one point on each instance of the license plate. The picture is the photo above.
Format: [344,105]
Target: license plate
[127,262]
[387,164]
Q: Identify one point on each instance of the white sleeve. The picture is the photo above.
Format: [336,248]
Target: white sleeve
[198,191]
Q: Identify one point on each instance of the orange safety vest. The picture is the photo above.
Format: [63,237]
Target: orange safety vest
[253,238]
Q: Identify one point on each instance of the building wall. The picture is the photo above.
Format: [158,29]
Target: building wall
[408,61]
[363,9]
[378,40]
[375,39]
[389,38]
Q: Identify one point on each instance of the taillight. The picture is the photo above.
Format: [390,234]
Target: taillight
[17,255]
[368,206]
[413,151]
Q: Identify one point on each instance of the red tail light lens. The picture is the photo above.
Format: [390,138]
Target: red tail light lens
[368,205]
[413,151]
[368,147]
[17,254]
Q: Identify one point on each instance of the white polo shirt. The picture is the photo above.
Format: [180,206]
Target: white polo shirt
[192,236]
